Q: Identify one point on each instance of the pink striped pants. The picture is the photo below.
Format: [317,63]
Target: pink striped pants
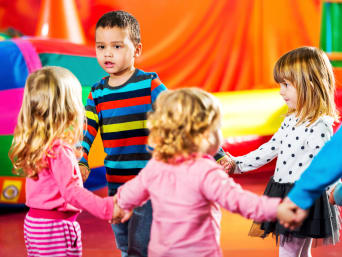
[52,237]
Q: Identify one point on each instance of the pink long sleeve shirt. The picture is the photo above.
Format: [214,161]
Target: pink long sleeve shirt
[60,188]
[185,200]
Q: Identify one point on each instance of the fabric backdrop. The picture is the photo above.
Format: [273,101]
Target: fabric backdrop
[218,45]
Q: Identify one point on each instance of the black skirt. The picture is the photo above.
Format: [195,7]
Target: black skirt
[322,222]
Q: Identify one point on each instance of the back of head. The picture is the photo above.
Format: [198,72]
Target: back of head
[51,109]
[180,119]
[122,20]
[310,71]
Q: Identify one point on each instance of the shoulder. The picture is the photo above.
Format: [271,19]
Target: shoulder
[59,149]
[323,124]
[146,75]
[100,84]
[150,77]
[320,131]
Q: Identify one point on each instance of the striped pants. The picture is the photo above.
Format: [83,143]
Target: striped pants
[52,237]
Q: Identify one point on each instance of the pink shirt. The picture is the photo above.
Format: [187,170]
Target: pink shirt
[60,187]
[185,201]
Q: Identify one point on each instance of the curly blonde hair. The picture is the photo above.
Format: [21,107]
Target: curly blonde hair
[310,71]
[52,109]
[180,119]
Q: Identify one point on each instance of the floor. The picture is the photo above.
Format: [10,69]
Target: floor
[98,239]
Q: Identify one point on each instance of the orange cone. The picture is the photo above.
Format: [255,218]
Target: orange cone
[60,19]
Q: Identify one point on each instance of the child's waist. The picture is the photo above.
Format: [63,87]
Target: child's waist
[53,214]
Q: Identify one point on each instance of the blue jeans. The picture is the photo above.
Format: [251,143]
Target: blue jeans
[133,236]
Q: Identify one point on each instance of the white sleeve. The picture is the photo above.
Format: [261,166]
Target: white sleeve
[259,157]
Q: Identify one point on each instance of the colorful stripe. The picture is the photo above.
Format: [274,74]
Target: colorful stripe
[30,55]
[120,114]
[52,237]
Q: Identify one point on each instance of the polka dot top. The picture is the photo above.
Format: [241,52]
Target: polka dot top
[294,145]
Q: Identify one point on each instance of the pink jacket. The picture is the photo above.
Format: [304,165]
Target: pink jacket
[59,187]
[185,201]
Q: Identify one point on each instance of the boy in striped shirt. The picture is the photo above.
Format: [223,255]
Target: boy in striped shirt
[117,106]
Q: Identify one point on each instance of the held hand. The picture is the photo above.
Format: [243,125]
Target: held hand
[84,172]
[290,215]
[117,212]
[127,215]
[228,164]
[119,215]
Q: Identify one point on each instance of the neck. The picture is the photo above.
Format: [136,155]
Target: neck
[117,79]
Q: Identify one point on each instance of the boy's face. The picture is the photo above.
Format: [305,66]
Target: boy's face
[115,51]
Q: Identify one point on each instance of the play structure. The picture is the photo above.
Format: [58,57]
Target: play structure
[250,117]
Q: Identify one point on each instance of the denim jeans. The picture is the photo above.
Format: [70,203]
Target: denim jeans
[133,236]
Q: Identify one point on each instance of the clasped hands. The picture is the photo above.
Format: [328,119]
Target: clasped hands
[290,215]
[119,215]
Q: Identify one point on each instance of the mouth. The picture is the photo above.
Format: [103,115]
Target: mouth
[108,64]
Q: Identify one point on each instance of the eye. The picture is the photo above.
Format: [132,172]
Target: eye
[117,46]
[100,47]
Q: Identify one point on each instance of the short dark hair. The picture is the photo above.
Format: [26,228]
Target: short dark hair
[122,20]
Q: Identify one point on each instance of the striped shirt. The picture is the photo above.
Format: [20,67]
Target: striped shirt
[120,114]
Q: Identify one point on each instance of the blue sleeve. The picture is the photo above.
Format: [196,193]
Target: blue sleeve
[325,169]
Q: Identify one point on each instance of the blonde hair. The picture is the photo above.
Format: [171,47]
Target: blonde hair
[310,71]
[180,119]
[51,109]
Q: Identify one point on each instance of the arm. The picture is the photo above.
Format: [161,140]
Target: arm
[90,132]
[325,169]
[133,193]
[259,157]
[65,171]
[218,187]
[156,87]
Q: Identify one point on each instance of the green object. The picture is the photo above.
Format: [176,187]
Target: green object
[331,28]
[86,69]
[6,165]
[336,63]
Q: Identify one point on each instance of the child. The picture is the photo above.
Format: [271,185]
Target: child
[307,86]
[326,168]
[183,181]
[117,106]
[50,123]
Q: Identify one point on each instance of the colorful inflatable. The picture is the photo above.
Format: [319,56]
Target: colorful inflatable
[19,57]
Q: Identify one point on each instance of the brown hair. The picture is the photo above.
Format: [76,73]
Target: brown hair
[310,71]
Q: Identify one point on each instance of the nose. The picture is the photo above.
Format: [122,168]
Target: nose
[108,53]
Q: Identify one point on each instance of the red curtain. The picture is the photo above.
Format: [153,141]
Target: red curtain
[220,45]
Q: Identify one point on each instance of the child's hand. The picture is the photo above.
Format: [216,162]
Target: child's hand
[84,172]
[331,196]
[228,164]
[119,215]
[290,215]
[117,212]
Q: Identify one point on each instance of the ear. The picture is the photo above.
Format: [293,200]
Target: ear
[138,50]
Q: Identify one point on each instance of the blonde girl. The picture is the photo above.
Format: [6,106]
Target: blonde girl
[185,184]
[49,125]
[307,86]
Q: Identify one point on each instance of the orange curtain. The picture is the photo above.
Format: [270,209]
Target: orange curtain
[220,45]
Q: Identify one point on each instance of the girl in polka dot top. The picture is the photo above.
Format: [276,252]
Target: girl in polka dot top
[307,85]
